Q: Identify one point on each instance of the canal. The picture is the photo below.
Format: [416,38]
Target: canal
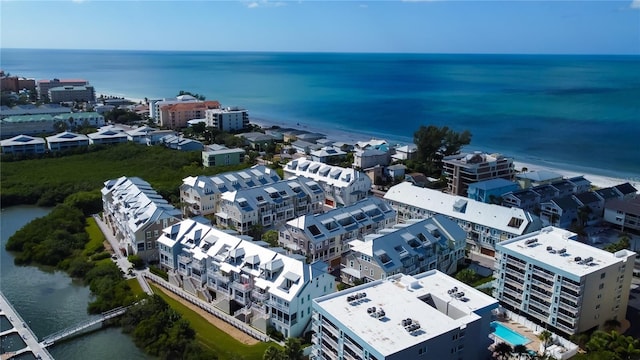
[50,300]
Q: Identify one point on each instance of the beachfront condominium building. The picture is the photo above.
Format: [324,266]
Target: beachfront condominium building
[342,186]
[23,144]
[623,213]
[201,194]
[43,86]
[325,236]
[255,284]
[176,116]
[66,141]
[464,169]
[409,248]
[227,119]
[16,83]
[426,316]
[136,215]
[221,156]
[561,283]
[31,109]
[84,93]
[485,224]
[269,206]
[156,104]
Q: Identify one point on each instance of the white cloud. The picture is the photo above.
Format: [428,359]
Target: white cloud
[635,4]
[264,3]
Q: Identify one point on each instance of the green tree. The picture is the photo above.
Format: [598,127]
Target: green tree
[434,143]
[583,215]
[502,351]
[271,237]
[624,242]
[467,276]
[293,349]
[547,338]
[520,351]
[136,261]
[273,353]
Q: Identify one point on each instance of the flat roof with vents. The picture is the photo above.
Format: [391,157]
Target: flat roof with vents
[558,249]
[423,298]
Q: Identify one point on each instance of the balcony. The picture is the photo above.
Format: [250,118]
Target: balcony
[330,341]
[572,287]
[567,318]
[243,287]
[542,284]
[542,274]
[184,259]
[568,307]
[575,299]
[259,295]
[219,277]
[566,329]
[512,292]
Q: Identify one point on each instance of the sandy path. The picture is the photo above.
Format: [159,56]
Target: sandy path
[232,331]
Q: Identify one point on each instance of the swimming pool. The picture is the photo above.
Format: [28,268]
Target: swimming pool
[509,336]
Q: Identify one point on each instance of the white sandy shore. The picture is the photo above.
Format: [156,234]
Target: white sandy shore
[338,135]
[596,180]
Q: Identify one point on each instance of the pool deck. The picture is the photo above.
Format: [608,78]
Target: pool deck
[534,343]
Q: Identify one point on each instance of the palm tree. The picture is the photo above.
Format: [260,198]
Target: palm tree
[273,353]
[293,349]
[520,351]
[502,351]
[546,337]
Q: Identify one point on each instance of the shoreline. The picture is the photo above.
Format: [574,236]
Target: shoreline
[600,178]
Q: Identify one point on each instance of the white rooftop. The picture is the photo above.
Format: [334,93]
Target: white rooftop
[425,298]
[509,219]
[558,249]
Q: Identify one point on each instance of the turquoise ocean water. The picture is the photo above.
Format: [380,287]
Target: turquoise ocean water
[577,112]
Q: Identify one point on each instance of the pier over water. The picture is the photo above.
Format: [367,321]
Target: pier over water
[20,327]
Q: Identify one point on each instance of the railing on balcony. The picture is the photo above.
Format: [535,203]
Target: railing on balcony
[243,287]
[566,329]
[542,284]
[571,286]
[259,295]
[567,318]
[219,277]
[260,310]
[575,299]
[512,292]
[184,259]
[543,274]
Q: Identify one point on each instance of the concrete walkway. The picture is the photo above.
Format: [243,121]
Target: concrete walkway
[21,327]
[121,260]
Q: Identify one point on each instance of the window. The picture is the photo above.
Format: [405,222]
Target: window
[602,275]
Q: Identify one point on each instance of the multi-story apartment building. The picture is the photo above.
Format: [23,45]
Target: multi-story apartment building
[67,140]
[464,169]
[175,116]
[227,119]
[410,248]
[31,109]
[325,236]
[201,194]
[342,187]
[222,156]
[561,283]
[156,104]
[270,205]
[485,224]
[255,284]
[491,191]
[108,136]
[623,213]
[43,86]
[16,83]
[23,144]
[425,316]
[65,93]
[368,158]
[137,215]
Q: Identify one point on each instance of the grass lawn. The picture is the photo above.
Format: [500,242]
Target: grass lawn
[96,238]
[136,288]
[211,337]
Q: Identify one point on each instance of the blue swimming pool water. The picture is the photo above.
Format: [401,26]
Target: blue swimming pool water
[508,335]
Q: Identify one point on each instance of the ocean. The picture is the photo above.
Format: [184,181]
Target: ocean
[580,113]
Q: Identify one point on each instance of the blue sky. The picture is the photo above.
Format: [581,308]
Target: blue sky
[447,26]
